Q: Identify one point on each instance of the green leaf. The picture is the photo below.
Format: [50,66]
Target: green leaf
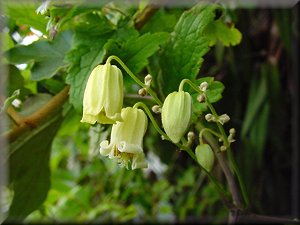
[214,91]
[84,60]
[7,41]
[161,21]
[29,168]
[257,98]
[284,19]
[98,25]
[182,56]
[15,79]
[24,13]
[137,49]
[218,30]
[48,56]
[258,133]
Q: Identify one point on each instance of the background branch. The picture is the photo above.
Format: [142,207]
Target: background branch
[33,120]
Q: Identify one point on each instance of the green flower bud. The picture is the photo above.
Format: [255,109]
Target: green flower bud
[224,118]
[203,86]
[205,156]
[176,114]
[103,95]
[126,140]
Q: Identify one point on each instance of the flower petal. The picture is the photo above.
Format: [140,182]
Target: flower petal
[123,146]
[139,161]
[106,148]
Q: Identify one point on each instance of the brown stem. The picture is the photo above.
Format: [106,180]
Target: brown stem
[37,117]
[17,119]
[233,216]
[144,16]
[234,189]
[236,196]
[254,218]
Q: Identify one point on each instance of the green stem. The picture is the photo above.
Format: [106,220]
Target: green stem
[230,156]
[146,109]
[220,127]
[208,130]
[225,138]
[219,188]
[184,81]
[149,90]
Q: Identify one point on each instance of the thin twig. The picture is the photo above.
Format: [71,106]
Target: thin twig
[33,120]
[145,15]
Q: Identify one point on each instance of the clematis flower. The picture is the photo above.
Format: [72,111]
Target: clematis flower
[176,114]
[126,141]
[103,95]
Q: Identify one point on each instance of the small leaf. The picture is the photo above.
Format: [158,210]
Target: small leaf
[214,91]
[228,35]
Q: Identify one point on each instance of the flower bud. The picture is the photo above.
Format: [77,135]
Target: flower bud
[224,118]
[223,148]
[148,80]
[142,92]
[201,98]
[103,95]
[190,137]
[203,86]
[205,156]
[231,135]
[176,114]
[232,131]
[156,109]
[210,118]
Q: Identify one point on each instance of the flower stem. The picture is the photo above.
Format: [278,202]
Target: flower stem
[223,194]
[149,90]
[184,81]
[208,130]
[219,188]
[230,156]
[146,109]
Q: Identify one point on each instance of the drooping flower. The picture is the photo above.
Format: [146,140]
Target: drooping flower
[176,114]
[205,156]
[126,141]
[103,95]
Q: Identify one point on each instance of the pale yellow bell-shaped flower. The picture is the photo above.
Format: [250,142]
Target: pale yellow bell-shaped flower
[126,140]
[103,95]
[176,114]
